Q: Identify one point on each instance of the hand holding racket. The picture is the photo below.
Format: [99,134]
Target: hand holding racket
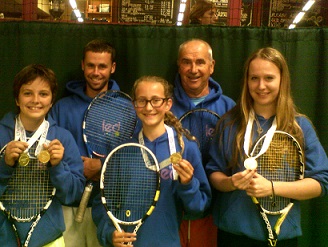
[29,191]
[283,161]
[109,120]
[130,185]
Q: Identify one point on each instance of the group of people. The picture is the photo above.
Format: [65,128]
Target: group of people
[210,204]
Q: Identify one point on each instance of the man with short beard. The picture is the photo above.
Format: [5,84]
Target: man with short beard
[98,63]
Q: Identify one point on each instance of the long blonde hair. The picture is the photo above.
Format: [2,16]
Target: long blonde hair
[286,110]
[169,118]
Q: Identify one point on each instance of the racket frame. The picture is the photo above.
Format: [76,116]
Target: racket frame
[117,222]
[198,110]
[195,110]
[12,218]
[274,232]
[95,99]
[89,187]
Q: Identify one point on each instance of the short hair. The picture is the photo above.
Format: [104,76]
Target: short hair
[198,10]
[182,47]
[32,72]
[100,45]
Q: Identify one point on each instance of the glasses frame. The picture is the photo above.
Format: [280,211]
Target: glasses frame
[149,101]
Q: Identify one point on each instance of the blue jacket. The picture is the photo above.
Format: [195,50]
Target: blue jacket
[235,212]
[215,101]
[161,228]
[69,111]
[67,177]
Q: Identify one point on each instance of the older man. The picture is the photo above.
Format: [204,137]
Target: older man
[194,88]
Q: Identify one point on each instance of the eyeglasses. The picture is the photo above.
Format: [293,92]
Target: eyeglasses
[155,102]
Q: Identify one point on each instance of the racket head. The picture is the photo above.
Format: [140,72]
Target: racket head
[29,190]
[283,161]
[109,121]
[201,123]
[130,187]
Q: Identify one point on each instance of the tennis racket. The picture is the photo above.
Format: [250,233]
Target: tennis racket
[130,185]
[201,123]
[283,161]
[109,120]
[28,195]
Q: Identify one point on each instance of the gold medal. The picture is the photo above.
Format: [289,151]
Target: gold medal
[44,156]
[175,158]
[24,159]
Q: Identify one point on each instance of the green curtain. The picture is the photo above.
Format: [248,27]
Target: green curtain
[152,50]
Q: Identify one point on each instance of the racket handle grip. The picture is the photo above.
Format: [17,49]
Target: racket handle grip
[84,203]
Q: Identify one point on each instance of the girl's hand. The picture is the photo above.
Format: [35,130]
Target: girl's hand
[241,180]
[185,171]
[259,186]
[121,239]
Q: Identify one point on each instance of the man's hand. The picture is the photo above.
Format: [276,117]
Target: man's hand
[92,168]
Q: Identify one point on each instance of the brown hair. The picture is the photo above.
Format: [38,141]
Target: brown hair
[198,10]
[99,46]
[286,111]
[169,119]
[30,73]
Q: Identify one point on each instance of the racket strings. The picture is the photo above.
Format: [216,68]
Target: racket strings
[110,120]
[129,186]
[281,162]
[201,124]
[28,190]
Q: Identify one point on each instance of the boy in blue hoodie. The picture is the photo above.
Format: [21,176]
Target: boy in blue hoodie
[35,89]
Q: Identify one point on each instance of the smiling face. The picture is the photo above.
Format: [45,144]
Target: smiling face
[264,84]
[97,67]
[34,101]
[150,116]
[195,68]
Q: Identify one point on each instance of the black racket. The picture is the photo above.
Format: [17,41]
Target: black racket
[109,120]
[29,193]
[201,123]
[130,185]
[283,161]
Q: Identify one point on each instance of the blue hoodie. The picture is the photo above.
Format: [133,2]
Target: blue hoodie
[67,177]
[69,111]
[215,101]
[235,212]
[161,228]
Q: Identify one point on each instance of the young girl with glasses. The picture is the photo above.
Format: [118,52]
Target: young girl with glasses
[189,193]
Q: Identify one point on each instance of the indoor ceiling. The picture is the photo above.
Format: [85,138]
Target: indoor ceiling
[284,11]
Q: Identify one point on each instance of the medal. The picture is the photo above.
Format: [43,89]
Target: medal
[175,158]
[44,156]
[24,159]
[250,163]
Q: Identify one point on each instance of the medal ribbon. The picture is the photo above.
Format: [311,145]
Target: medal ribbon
[41,133]
[172,146]
[248,135]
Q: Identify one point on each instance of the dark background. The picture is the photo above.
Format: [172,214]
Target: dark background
[152,50]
